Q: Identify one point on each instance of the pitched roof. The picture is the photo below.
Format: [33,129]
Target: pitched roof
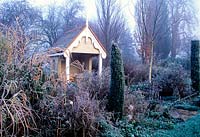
[68,37]
[97,39]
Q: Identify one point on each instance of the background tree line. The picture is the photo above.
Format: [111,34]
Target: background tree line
[164,29]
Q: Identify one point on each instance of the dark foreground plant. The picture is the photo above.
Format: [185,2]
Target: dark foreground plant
[195,65]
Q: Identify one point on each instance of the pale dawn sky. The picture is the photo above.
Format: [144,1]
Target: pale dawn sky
[126,4]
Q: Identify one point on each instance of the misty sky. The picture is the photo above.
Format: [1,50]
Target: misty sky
[91,10]
[127,6]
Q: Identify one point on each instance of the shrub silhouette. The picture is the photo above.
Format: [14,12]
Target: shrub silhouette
[195,64]
[116,94]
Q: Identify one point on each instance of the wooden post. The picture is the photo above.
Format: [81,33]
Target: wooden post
[67,58]
[100,64]
[90,64]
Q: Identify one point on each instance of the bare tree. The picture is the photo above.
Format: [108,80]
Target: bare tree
[111,23]
[71,14]
[15,13]
[182,18]
[20,16]
[58,20]
[51,26]
[148,17]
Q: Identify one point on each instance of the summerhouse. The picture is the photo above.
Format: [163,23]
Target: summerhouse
[74,51]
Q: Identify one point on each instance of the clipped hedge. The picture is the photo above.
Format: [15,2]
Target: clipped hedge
[195,65]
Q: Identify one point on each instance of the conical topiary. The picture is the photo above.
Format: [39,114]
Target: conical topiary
[195,65]
[116,95]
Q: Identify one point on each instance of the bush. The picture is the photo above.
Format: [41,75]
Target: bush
[108,130]
[185,63]
[68,114]
[135,105]
[98,87]
[16,117]
[117,84]
[73,110]
[21,88]
[20,77]
[143,86]
[136,74]
[171,79]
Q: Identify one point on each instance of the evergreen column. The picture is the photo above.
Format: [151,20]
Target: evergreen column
[116,95]
[195,65]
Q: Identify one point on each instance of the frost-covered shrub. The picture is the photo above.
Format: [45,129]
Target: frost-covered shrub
[97,87]
[135,105]
[68,115]
[184,62]
[143,86]
[108,129]
[20,78]
[136,73]
[171,79]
